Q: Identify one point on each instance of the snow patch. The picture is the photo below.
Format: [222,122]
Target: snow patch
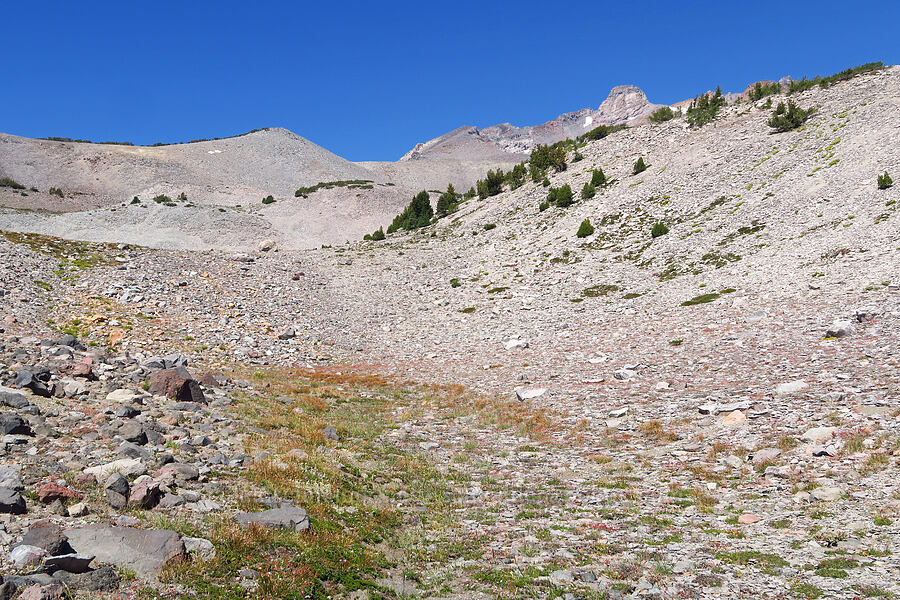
[214,152]
[588,120]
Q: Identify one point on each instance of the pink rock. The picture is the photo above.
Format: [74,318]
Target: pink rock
[734,418]
[43,592]
[82,370]
[145,494]
[748,519]
[49,492]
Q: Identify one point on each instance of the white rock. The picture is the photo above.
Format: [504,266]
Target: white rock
[840,329]
[819,434]
[791,387]
[530,394]
[78,510]
[199,546]
[624,374]
[26,556]
[515,344]
[129,467]
[122,396]
[826,494]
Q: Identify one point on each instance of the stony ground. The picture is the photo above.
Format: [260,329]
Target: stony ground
[475,411]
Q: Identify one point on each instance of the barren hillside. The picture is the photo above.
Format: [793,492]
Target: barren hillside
[697,399]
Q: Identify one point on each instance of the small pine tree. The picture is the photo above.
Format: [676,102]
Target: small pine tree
[417,214]
[447,202]
[516,176]
[885,181]
[659,229]
[182,197]
[598,179]
[378,235]
[588,191]
[639,166]
[585,229]
[704,109]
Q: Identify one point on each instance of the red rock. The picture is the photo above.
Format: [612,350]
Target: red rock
[176,384]
[145,494]
[209,380]
[82,370]
[748,518]
[49,492]
[83,479]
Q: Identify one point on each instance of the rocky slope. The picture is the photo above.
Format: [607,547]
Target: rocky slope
[711,412]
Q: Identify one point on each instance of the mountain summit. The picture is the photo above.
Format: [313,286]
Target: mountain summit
[625,104]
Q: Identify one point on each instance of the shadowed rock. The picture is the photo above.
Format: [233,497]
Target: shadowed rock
[176,384]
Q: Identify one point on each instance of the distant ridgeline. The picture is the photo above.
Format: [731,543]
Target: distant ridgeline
[546,159]
[65,139]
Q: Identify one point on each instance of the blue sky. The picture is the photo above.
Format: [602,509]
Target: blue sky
[368,80]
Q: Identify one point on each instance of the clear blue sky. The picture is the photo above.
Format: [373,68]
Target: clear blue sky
[367,80]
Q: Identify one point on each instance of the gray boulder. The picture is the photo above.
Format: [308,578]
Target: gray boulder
[286,517]
[143,551]
[12,502]
[47,536]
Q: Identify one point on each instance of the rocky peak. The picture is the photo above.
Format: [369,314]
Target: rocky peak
[624,104]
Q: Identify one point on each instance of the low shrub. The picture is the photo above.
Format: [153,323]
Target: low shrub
[7,182]
[600,132]
[561,196]
[823,82]
[789,117]
[54,191]
[268,199]
[588,191]
[885,181]
[585,229]
[662,115]
[761,90]
[327,185]
[489,226]
[377,236]
[704,109]
[659,229]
